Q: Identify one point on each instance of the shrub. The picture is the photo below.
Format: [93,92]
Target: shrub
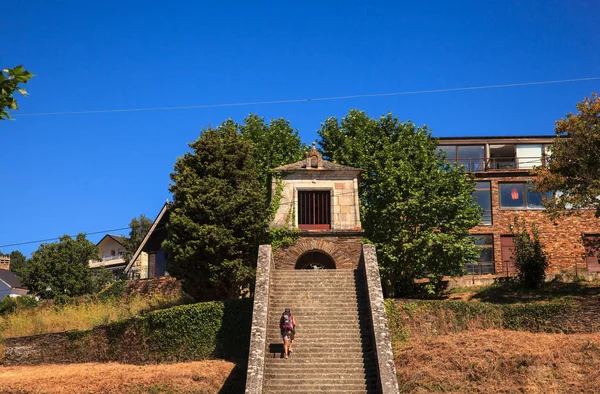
[183,333]
[8,305]
[113,291]
[531,261]
[11,305]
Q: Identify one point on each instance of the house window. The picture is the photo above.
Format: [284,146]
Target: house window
[113,253]
[483,197]
[471,157]
[485,263]
[314,210]
[521,196]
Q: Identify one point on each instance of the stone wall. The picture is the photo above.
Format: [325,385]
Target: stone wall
[258,336]
[561,238]
[388,383]
[344,198]
[345,250]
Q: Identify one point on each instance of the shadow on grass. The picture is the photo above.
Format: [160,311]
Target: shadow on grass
[236,381]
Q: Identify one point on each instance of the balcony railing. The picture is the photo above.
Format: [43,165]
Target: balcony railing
[499,163]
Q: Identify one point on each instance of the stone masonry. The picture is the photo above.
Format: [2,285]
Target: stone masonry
[345,250]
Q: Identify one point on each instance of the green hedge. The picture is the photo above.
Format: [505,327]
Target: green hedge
[182,333]
[439,317]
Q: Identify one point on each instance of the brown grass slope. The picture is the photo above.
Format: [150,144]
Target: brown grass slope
[109,378]
[500,361]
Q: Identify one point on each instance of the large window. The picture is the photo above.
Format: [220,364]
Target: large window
[472,157]
[521,196]
[485,263]
[483,197]
[314,210]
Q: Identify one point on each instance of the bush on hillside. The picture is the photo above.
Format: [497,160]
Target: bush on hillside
[531,261]
[11,305]
[183,333]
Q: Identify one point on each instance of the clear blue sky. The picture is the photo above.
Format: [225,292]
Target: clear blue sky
[71,173]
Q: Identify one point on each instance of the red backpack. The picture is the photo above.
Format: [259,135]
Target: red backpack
[286,322]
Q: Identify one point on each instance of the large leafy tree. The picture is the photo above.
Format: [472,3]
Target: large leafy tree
[138,228]
[18,261]
[11,81]
[217,218]
[61,267]
[275,143]
[416,209]
[573,167]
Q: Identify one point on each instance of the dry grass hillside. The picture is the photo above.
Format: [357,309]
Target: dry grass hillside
[113,378]
[500,361]
[500,339]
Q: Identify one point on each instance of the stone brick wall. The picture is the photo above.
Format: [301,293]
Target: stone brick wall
[345,250]
[344,198]
[258,336]
[388,382]
[561,238]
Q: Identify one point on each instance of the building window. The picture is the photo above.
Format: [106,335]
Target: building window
[521,196]
[314,210]
[485,263]
[471,157]
[113,253]
[516,156]
[482,196]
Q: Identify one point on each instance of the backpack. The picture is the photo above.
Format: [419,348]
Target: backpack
[286,321]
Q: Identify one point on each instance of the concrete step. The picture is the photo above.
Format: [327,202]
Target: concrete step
[320,386]
[326,391]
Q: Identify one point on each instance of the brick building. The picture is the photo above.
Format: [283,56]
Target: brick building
[502,167]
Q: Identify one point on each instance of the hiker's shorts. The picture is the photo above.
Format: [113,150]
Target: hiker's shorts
[287,335]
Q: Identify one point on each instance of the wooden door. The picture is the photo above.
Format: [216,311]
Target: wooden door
[507,245]
[591,243]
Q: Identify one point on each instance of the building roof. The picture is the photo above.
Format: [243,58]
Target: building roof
[10,279]
[160,216]
[118,238]
[314,162]
[325,166]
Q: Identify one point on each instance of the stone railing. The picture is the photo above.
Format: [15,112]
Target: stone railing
[388,383]
[258,336]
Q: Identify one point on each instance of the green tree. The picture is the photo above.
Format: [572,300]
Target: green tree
[415,208]
[275,143]
[531,261]
[11,81]
[218,215]
[61,267]
[18,261]
[573,168]
[138,228]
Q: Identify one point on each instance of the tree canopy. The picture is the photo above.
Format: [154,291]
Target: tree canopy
[138,228]
[61,267]
[11,81]
[573,167]
[415,208]
[275,143]
[218,215]
[18,261]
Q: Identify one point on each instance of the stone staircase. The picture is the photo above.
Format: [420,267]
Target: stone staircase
[333,351]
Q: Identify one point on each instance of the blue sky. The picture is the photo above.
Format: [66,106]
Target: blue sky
[69,173]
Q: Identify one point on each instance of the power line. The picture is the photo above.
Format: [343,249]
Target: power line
[307,100]
[57,238]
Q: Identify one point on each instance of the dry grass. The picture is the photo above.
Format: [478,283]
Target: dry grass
[195,377]
[42,320]
[500,361]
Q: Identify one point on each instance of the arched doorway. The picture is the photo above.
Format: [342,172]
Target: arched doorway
[315,259]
